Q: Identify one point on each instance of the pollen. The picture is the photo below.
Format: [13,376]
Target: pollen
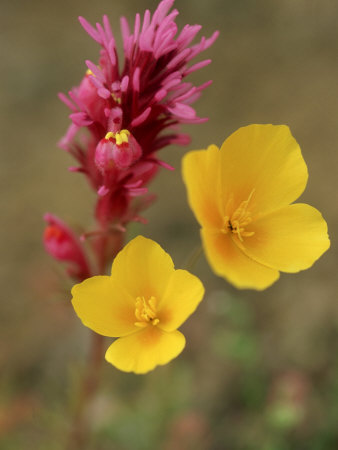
[121,137]
[145,312]
[239,219]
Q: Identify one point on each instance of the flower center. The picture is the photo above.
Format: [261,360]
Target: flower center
[145,312]
[239,219]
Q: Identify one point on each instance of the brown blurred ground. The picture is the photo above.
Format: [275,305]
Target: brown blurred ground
[274,62]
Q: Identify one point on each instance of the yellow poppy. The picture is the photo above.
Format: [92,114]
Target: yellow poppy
[142,303]
[241,195]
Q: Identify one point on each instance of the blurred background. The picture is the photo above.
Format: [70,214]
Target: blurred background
[260,370]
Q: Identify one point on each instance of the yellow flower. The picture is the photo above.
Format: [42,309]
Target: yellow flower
[241,195]
[142,302]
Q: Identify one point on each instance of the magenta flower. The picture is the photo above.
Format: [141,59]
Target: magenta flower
[125,110]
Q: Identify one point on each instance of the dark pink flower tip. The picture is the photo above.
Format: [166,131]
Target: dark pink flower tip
[61,243]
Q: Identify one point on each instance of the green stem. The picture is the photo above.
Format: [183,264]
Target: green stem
[90,383]
[78,437]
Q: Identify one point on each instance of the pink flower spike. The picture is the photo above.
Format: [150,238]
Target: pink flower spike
[121,115]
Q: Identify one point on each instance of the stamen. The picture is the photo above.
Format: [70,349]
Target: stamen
[240,218]
[145,312]
[120,137]
[109,135]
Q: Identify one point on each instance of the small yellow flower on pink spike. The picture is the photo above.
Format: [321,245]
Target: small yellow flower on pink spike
[142,303]
[242,195]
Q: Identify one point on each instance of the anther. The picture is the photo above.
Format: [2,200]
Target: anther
[145,312]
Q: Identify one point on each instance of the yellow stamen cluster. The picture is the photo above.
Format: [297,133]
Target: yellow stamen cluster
[145,312]
[120,137]
[239,220]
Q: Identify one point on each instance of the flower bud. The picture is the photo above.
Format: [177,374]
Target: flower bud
[61,243]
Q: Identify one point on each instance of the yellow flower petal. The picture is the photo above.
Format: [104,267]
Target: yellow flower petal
[201,175]
[290,239]
[265,158]
[104,307]
[183,295]
[228,261]
[143,267]
[143,351]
